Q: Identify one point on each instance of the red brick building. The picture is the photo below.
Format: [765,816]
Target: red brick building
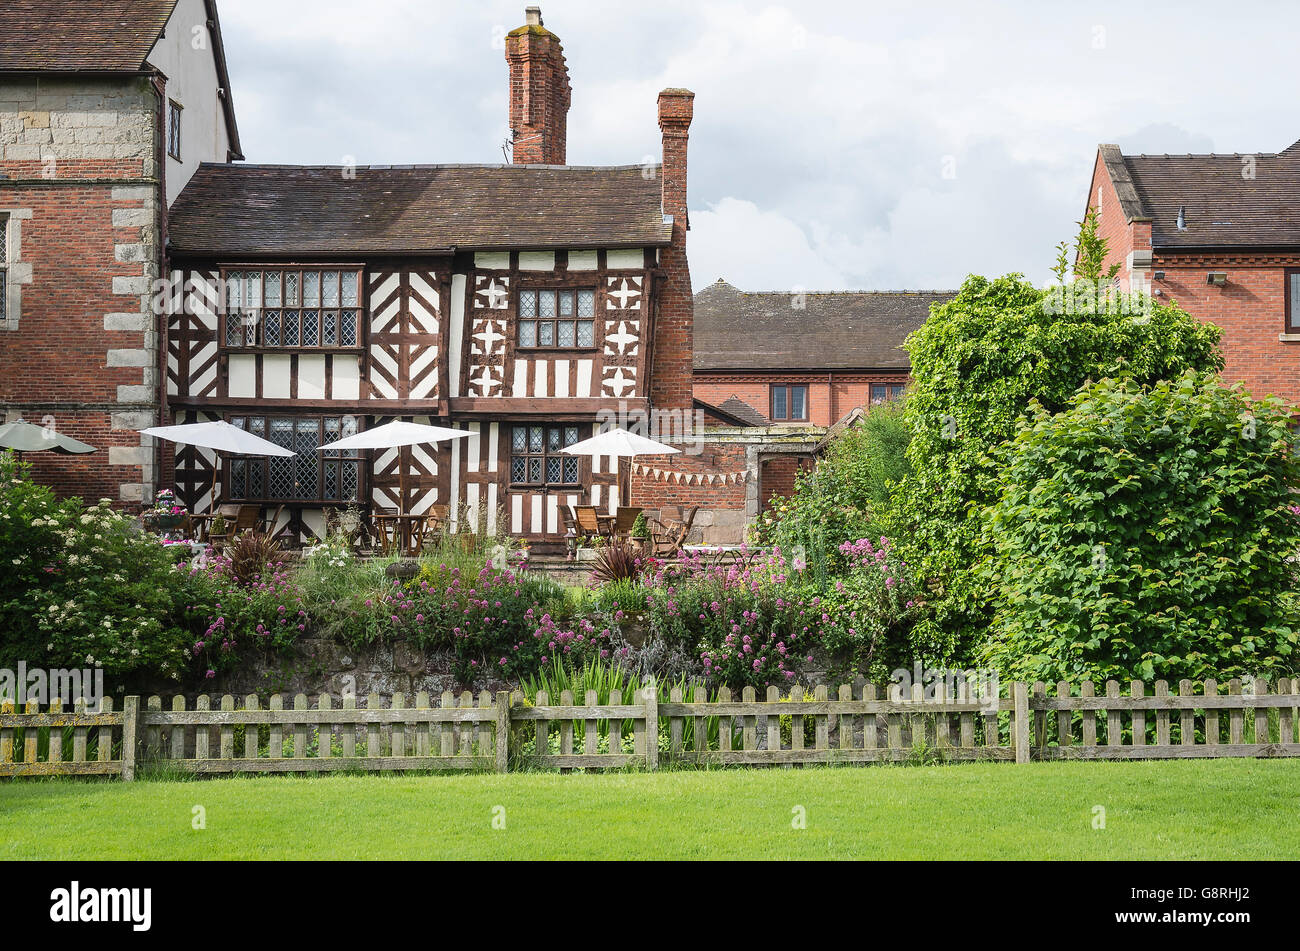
[801,359]
[786,366]
[1219,234]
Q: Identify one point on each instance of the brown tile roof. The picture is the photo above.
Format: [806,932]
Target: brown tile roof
[734,411]
[1221,208]
[64,35]
[276,210]
[735,330]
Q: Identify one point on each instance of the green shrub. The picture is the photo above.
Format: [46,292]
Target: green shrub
[1147,533]
[841,498]
[978,362]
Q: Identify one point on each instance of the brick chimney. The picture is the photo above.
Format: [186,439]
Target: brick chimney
[539,92]
[670,380]
[676,107]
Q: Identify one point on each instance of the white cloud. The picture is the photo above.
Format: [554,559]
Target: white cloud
[820,129]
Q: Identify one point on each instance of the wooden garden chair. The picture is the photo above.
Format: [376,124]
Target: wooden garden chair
[247,519]
[625,520]
[667,537]
[588,522]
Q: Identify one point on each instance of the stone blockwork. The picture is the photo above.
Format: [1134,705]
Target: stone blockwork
[79,160]
[319,665]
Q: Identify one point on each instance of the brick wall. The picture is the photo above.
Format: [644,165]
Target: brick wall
[1251,310]
[828,401]
[81,351]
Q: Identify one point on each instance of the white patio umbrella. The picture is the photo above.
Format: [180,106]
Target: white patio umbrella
[622,443]
[218,435]
[22,436]
[397,435]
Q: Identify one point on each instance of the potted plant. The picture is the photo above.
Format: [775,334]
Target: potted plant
[166,513]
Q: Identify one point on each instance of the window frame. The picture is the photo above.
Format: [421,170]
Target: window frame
[322,460]
[174,110]
[892,391]
[582,431]
[300,308]
[1290,320]
[556,319]
[787,416]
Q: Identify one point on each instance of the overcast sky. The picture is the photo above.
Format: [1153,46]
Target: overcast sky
[856,145]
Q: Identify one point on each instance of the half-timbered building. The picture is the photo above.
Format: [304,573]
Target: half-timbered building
[525,303]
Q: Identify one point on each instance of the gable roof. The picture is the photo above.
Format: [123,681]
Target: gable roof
[72,35]
[276,210]
[735,330]
[1222,208]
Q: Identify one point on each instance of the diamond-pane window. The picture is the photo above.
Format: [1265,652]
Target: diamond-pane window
[294,318]
[330,289]
[536,457]
[556,319]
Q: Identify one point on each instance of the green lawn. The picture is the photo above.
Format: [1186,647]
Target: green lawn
[1173,810]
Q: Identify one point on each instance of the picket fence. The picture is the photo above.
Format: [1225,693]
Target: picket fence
[502,732]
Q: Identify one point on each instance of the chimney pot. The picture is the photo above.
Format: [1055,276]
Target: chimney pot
[533,16]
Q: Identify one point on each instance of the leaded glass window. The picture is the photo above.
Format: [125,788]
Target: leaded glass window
[311,476]
[557,319]
[536,457]
[299,309]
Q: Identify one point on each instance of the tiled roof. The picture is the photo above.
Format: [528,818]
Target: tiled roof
[61,35]
[1221,206]
[733,410]
[269,210]
[735,330]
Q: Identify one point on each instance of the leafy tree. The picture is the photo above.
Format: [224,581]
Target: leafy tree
[1090,250]
[978,362]
[1147,532]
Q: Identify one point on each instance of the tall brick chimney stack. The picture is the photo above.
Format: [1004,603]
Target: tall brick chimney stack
[539,92]
[670,380]
[676,108]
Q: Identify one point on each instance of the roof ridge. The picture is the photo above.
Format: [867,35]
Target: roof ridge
[422,166]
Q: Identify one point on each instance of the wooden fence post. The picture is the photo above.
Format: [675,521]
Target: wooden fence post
[651,693]
[503,731]
[130,737]
[1020,726]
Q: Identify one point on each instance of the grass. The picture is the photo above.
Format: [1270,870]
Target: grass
[1218,809]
